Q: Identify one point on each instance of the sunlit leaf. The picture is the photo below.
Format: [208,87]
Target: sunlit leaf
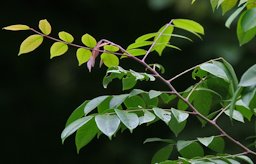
[108,124]
[236,115]
[17,27]
[188,25]
[228,5]
[76,114]
[162,154]
[152,94]
[179,115]
[66,37]
[245,158]
[58,49]
[30,44]
[110,60]
[89,40]
[93,104]
[71,128]
[130,120]
[117,100]
[83,55]
[149,140]
[206,141]
[45,26]
[145,37]
[214,70]
[249,77]
[147,117]
[249,20]
[234,15]
[163,115]
[139,44]
[137,52]
[111,48]
[85,134]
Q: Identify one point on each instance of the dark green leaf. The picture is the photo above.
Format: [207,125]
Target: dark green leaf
[76,114]
[135,102]
[190,149]
[245,158]
[162,154]
[215,70]
[217,145]
[128,82]
[148,140]
[85,134]
[176,127]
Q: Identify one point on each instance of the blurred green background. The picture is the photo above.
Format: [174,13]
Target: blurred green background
[38,94]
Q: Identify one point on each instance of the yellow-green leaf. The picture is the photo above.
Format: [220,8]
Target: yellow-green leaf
[111,48]
[58,49]
[45,26]
[89,40]
[228,5]
[188,25]
[17,27]
[83,55]
[30,44]
[66,37]
[110,60]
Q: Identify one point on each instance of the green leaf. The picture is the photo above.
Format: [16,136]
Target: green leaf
[235,115]
[214,4]
[83,55]
[17,27]
[177,127]
[215,70]
[148,140]
[76,114]
[147,117]
[89,40]
[242,2]
[217,145]
[130,120]
[137,52]
[58,49]
[232,17]
[93,104]
[228,5]
[244,36]
[152,94]
[139,44]
[232,161]
[202,101]
[85,134]
[248,21]
[66,37]
[117,100]
[45,26]
[111,48]
[108,124]
[162,154]
[220,3]
[206,141]
[231,74]
[244,109]
[163,115]
[110,60]
[190,149]
[249,77]
[179,115]
[167,98]
[134,102]
[245,158]
[30,44]
[188,25]
[145,37]
[71,128]
[163,36]
[128,82]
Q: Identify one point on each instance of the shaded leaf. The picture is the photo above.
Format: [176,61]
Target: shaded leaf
[83,55]
[17,27]
[66,37]
[217,145]
[228,5]
[190,149]
[30,44]
[71,128]
[245,158]
[85,134]
[76,114]
[177,127]
[162,154]
[129,82]
[107,124]
[130,120]
[148,140]
[89,40]
[45,26]
[58,49]
[134,102]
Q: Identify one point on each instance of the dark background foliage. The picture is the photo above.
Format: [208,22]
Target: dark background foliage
[38,94]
